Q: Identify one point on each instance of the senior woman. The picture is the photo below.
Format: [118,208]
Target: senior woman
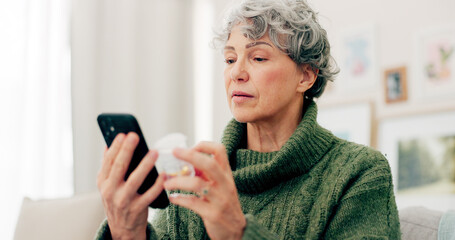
[278,174]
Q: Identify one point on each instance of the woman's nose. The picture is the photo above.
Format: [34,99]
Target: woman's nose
[238,72]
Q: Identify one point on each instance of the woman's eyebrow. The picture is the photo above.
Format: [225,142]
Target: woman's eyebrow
[229,48]
[249,45]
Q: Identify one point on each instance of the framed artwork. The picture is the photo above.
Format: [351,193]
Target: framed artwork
[358,57]
[421,152]
[351,122]
[435,61]
[395,85]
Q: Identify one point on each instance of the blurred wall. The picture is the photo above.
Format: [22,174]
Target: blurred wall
[128,56]
[397,26]
[221,112]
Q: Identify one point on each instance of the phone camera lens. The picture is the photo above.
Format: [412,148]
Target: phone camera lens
[112,129]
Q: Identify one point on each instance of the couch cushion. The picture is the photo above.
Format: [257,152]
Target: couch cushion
[77,217]
[419,223]
[447,226]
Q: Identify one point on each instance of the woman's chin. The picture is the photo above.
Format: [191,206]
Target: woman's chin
[240,120]
[242,117]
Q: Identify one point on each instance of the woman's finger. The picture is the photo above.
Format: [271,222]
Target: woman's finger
[199,206]
[201,161]
[189,184]
[217,150]
[110,155]
[124,156]
[139,174]
[153,192]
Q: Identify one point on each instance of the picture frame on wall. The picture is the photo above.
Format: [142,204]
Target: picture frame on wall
[434,61]
[395,85]
[421,153]
[358,57]
[351,122]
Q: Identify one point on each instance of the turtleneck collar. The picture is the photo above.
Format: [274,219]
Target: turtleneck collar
[256,172]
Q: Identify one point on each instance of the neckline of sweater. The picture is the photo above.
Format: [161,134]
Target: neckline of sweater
[256,172]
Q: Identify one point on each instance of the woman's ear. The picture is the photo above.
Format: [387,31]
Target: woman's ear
[308,77]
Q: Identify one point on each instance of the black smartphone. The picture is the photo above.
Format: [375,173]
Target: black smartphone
[113,124]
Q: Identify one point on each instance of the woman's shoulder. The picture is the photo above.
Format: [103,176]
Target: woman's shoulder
[357,157]
[355,167]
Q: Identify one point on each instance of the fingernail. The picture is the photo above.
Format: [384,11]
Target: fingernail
[164,175]
[198,172]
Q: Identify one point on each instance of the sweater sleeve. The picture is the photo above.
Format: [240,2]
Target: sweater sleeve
[367,209]
[255,231]
[159,232]
[104,233]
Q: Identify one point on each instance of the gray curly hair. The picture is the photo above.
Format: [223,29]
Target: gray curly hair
[293,27]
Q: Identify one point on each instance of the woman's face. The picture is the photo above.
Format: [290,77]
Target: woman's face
[261,82]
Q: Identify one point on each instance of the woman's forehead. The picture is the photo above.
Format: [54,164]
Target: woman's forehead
[238,33]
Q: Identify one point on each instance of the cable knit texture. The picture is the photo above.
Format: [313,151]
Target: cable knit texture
[316,186]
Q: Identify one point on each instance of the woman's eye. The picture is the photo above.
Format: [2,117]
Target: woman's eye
[260,59]
[229,61]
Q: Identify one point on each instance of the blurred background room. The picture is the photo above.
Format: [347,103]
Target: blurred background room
[62,62]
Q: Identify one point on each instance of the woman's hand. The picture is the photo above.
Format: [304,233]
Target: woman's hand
[126,210]
[218,203]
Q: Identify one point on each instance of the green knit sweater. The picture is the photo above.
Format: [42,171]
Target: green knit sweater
[316,187]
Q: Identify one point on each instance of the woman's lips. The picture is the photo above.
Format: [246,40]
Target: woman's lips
[241,97]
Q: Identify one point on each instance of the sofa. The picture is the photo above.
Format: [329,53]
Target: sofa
[422,223]
[79,217]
